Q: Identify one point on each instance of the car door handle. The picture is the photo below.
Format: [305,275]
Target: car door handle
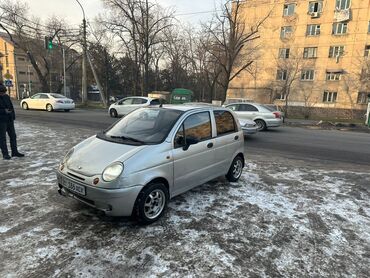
[210,145]
[236,137]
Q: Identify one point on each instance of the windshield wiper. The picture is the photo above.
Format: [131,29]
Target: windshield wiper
[127,138]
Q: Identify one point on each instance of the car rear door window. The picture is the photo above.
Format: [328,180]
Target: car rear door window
[225,122]
[248,108]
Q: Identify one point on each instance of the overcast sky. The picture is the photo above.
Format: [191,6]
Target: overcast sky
[70,10]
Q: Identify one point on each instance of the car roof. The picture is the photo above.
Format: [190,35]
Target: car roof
[184,107]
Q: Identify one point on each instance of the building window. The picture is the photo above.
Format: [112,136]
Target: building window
[362,98]
[336,51]
[330,96]
[364,75]
[6,48]
[310,52]
[284,53]
[21,59]
[333,76]
[342,4]
[368,28]
[281,96]
[367,50]
[281,75]
[339,28]
[313,30]
[315,7]
[7,61]
[308,75]
[22,73]
[288,9]
[286,32]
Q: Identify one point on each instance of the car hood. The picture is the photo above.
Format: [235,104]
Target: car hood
[93,155]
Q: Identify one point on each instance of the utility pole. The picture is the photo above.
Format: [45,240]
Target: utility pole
[64,73]
[84,55]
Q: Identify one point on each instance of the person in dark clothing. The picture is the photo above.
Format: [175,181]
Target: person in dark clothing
[7,117]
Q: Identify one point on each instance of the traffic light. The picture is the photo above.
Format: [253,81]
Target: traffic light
[48,43]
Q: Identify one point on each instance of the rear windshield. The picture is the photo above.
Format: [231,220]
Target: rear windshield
[143,126]
[270,108]
[57,96]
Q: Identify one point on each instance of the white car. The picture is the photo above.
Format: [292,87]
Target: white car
[129,104]
[249,127]
[48,102]
[264,116]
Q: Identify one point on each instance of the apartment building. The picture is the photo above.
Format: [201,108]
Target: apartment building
[312,54]
[16,70]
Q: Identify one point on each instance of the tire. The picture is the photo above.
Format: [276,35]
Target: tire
[151,203]
[261,125]
[113,113]
[66,110]
[25,105]
[235,170]
[49,107]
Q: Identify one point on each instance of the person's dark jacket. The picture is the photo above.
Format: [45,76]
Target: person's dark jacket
[6,103]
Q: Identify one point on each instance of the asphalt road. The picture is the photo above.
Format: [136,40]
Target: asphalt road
[291,142]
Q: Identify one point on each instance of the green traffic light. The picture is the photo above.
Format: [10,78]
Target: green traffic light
[50,45]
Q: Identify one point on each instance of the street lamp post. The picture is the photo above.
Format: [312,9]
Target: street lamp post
[84,46]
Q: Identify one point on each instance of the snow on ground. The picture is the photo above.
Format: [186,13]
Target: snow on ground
[283,219]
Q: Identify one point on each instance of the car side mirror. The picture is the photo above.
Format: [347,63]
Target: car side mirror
[190,141]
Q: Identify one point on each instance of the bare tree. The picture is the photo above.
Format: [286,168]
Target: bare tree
[28,35]
[289,71]
[139,25]
[232,39]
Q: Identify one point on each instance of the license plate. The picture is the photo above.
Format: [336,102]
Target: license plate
[72,186]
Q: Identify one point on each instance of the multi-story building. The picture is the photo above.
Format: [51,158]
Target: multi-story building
[312,54]
[15,67]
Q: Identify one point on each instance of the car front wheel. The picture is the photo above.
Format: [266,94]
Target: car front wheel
[235,170]
[113,113]
[151,203]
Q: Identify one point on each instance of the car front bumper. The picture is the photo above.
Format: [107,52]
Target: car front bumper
[113,202]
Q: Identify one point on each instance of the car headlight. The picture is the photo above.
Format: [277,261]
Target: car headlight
[249,125]
[112,172]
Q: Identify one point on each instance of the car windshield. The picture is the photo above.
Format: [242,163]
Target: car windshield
[57,96]
[143,126]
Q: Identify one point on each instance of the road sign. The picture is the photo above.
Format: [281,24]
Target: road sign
[8,83]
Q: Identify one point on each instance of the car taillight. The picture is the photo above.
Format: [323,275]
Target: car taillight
[60,101]
[277,115]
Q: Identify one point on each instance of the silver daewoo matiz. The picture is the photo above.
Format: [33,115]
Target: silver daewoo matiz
[150,156]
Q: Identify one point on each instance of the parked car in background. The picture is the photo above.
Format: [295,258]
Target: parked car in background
[263,116]
[235,100]
[249,127]
[129,104]
[48,102]
[150,156]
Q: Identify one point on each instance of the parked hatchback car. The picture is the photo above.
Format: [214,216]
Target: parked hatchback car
[48,102]
[263,116]
[126,105]
[150,156]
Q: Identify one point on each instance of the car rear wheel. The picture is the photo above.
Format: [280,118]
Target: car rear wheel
[261,125]
[25,105]
[49,107]
[113,113]
[151,203]
[235,170]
